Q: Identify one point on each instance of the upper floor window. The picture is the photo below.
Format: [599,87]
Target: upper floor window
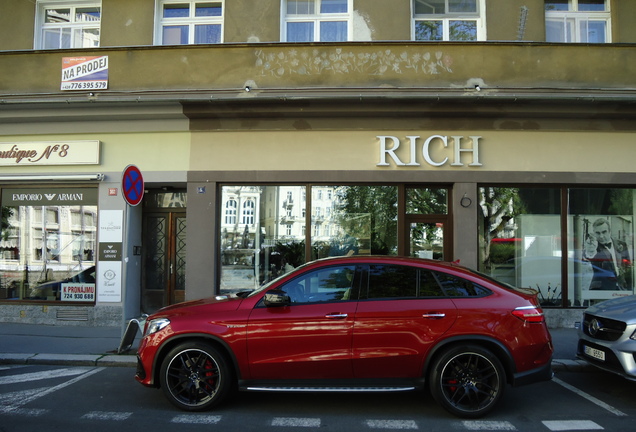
[189,22]
[68,25]
[448,20]
[585,21]
[316,20]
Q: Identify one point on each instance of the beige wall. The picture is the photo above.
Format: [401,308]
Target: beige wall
[220,71]
[503,20]
[499,151]
[127,23]
[248,21]
[17,22]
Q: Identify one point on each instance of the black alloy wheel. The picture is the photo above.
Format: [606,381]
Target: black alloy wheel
[467,381]
[195,377]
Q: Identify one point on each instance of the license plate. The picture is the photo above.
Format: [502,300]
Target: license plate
[595,353]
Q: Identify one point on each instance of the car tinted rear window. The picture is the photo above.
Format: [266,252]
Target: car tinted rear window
[391,281]
[454,286]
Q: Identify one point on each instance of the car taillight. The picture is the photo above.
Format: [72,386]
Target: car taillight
[532,314]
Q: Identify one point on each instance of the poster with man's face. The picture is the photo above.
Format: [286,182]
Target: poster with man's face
[608,249]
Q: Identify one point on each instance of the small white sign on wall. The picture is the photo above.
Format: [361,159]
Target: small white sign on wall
[109,272]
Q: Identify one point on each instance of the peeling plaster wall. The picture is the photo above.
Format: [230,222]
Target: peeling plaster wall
[362,31]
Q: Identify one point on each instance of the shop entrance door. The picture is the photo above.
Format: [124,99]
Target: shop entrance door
[163,257]
[427,216]
[426,238]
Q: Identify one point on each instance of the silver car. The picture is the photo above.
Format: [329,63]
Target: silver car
[607,337]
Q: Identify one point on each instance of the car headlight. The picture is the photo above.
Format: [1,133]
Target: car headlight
[633,336]
[155,325]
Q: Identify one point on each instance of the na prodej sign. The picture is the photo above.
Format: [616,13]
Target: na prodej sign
[85,73]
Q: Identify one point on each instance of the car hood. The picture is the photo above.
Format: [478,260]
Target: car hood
[221,302]
[620,309]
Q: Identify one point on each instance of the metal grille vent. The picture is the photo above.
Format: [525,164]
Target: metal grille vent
[72,315]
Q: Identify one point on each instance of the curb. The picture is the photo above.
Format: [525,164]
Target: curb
[103,360]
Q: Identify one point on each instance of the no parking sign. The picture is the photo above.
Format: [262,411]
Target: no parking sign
[132,185]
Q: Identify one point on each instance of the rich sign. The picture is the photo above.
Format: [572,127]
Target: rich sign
[431,148]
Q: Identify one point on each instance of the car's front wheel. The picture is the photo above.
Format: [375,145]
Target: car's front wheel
[195,377]
[467,381]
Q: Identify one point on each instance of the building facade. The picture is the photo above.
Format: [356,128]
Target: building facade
[271,133]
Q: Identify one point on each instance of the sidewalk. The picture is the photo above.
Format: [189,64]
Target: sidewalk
[64,345]
[97,346]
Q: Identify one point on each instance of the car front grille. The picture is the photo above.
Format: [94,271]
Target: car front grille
[603,328]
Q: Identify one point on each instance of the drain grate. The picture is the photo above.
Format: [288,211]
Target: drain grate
[72,315]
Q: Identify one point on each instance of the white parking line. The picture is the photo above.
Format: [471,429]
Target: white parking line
[16,406]
[296,422]
[392,424]
[106,415]
[39,376]
[571,425]
[196,419]
[591,398]
[482,425]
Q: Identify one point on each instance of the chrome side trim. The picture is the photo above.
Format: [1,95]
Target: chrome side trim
[331,389]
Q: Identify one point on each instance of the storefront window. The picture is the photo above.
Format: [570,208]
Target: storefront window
[47,244]
[521,242]
[520,239]
[272,239]
[353,220]
[601,242]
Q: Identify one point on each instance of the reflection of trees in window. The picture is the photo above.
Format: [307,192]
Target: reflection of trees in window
[7,212]
[463,30]
[499,207]
[379,205]
[427,201]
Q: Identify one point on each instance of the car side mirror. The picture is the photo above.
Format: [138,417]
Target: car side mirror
[276,298]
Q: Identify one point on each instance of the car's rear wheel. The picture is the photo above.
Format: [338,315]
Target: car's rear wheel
[195,377]
[467,381]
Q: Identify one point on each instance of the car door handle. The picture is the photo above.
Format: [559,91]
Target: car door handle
[434,315]
[335,316]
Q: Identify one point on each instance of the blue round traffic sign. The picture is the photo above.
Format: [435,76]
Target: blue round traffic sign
[132,184]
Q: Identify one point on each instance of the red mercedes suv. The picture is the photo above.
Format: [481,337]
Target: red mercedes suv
[353,324]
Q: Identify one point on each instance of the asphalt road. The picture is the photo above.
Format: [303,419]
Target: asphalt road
[58,398]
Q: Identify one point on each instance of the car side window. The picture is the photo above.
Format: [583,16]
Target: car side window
[392,281]
[457,287]
[429,287]
[323,285]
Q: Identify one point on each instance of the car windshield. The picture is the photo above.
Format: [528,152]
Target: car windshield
[266,286]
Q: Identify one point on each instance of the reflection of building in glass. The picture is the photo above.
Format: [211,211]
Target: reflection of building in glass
[44,244]
[263,230]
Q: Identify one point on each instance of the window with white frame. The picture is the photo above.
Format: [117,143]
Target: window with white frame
[316,20]
[72,24]
[230,212]
[248,212]
[189,22]
[448,20]
[583,21]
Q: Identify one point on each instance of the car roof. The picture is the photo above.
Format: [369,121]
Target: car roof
[389,259]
